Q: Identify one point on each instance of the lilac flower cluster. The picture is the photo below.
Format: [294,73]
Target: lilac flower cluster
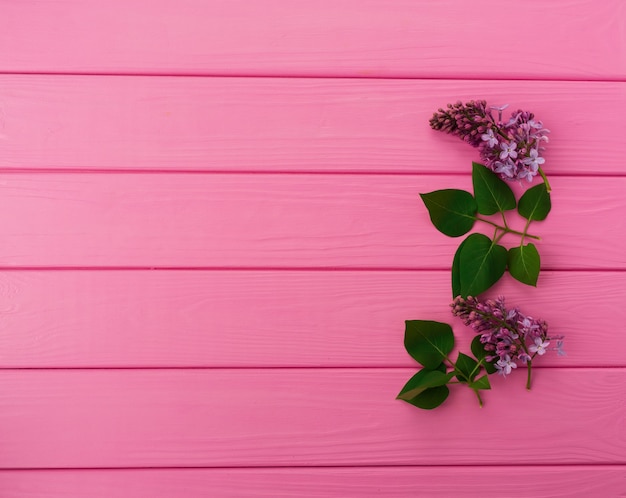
[508,336]
[512,148]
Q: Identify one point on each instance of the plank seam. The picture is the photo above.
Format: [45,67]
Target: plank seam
[615,79]
[320,467]
[240,172]
[359,269]
[278,367]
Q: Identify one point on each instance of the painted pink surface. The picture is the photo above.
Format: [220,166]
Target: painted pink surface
[301,417]
[395,482]
[278,221]
[204,278]
[291,124]
[190,318]
[428,38]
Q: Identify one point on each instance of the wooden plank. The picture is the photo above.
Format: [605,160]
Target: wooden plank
[579,481]
[302,417]
[561,38]
[263,124]
[275,319]
[313,221]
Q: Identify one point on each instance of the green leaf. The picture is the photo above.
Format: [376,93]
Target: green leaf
[456,271]
[481,264]
[524,264]
[478,350]
[428,342]
[535,203]
[453,212]
[481,383]
[492,194]
[430,398]
[441,367]
[468,368]
[422,380]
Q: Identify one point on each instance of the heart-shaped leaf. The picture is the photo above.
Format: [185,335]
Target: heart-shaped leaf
[478,350]
[428,342]
[524,264]
[481,383]
[467,368]
[535,204]
[430,398]
[456,271]
[422,380]
[481,264]
[452,211]
[491,192]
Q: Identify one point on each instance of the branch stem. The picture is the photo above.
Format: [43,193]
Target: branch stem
[508,230]
[545,180]
[525,230]
[480,400]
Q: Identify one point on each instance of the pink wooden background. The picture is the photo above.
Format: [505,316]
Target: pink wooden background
[211,236]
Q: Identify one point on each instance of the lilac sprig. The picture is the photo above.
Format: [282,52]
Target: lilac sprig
[511,148]
[508,336]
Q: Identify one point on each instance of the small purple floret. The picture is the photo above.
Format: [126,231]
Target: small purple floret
[505,365]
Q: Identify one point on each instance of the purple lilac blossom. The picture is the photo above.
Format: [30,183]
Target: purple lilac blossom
[490,139]
[508,335]
[539,347]
[512,148]
[505,365]
[508,150]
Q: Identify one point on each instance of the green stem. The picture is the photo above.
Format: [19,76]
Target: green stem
[508,230]
[450,362]
[529,372]
[501,133]
[545,180]
[476,368]
[497,239]
[458,372]
[504,220]
[525,230]
[480,400]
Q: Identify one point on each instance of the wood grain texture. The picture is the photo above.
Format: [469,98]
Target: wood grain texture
[263,124]
[302,417]
[211,236]
[275,318]
[561,39]
[580,481]
[314,221]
